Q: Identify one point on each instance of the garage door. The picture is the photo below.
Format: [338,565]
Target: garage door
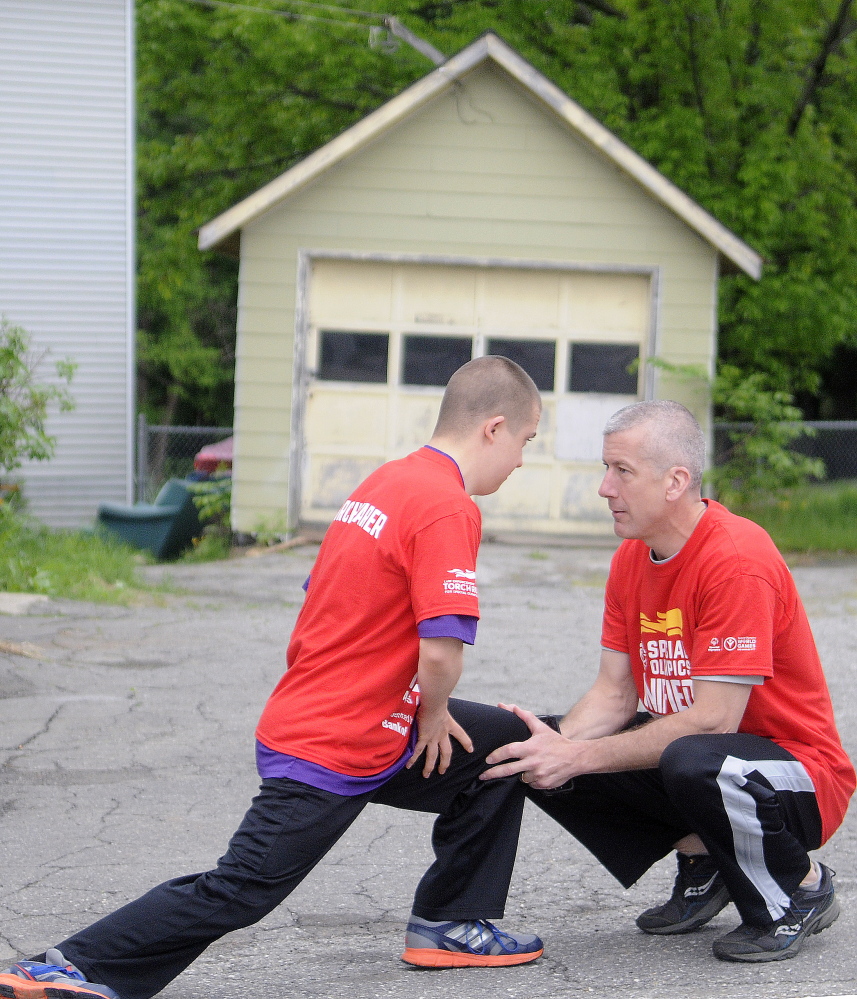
[383,339]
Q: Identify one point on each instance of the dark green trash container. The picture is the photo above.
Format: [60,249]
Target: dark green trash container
[165,527]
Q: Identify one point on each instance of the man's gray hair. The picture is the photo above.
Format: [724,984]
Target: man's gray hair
[675,438]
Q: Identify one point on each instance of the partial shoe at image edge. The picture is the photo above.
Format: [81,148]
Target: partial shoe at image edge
[57,980]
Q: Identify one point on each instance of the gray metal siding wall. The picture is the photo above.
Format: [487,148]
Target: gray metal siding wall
[66,232]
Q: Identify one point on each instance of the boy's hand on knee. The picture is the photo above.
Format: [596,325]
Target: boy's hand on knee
[435,733]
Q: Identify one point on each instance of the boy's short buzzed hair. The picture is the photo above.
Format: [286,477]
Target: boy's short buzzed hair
[484,387]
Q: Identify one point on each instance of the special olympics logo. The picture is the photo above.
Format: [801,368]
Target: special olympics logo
[730,644]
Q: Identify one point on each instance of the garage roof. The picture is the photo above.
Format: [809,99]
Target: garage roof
[486,48]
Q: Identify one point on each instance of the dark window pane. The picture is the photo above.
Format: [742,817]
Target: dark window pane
[603,367]
[353,357]
[432,360]
[536,357]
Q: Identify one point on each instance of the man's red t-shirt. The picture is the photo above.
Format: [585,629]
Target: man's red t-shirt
[402,549]
[726,605]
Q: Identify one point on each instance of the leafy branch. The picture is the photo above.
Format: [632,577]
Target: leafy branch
[24,403]
[760,462]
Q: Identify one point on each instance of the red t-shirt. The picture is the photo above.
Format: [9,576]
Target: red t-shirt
[726,605]
[402,549]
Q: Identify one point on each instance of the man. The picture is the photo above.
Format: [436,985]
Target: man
[735,762]
[377,647]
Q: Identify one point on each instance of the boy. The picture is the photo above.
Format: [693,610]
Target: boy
[377,647]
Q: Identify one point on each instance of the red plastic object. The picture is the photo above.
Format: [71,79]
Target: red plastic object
[212,455]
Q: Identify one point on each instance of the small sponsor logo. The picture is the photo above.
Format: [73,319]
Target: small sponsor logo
[668,622]
[700,889]
[464,584]
[744,643]
[788,930]
[396,727]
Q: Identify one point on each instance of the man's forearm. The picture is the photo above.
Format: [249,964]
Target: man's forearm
[718,709]
[596,715]
[637,749]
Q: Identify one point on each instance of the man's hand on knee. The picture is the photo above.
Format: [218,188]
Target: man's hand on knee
[543,761]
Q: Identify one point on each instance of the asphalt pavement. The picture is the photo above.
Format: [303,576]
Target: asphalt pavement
[126,757]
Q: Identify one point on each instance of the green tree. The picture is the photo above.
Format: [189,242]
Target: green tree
[227,100]
[745,104]
[760,463]
[24,402]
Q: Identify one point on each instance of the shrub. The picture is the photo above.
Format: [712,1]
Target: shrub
[23,402]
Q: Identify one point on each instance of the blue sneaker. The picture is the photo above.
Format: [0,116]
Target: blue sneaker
[61,980]
[474,943]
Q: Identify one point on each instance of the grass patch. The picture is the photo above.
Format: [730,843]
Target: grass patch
[816,518]
[76,564]
[211,547]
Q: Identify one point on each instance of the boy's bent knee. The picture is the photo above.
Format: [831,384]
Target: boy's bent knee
[488,724]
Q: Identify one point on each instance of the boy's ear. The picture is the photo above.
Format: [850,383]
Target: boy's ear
[492,425]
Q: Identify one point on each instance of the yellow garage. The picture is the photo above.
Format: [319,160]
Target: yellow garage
[428,234]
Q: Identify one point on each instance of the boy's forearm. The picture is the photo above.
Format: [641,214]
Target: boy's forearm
[440,665]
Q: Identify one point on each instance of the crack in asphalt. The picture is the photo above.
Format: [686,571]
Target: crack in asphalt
[36,735]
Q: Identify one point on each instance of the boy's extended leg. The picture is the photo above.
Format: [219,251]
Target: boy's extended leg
[475,839]
[141,947]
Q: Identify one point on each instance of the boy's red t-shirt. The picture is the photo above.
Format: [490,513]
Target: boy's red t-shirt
[726,604]
[402,549]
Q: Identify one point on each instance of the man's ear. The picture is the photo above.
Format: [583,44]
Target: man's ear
[677,483]
[491,426]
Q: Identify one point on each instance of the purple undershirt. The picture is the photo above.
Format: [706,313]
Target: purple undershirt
[460,626]
[270,763]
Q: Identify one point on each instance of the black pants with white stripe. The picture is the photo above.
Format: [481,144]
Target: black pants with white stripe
[751,803]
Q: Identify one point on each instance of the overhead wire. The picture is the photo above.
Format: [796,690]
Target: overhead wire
[295,15]
[390,25]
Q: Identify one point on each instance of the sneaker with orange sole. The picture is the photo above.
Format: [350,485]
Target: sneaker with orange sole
[474,943]
[60,980]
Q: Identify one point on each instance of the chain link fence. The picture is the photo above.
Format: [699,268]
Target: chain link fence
[167,453]
[833,441]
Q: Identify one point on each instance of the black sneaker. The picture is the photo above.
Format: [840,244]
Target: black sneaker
[698,895]
[810,912]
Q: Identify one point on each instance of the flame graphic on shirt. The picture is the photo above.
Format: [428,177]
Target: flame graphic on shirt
[668,623]
[462,573]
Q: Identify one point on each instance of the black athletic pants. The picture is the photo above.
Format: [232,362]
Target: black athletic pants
[290,826]
[751,803]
